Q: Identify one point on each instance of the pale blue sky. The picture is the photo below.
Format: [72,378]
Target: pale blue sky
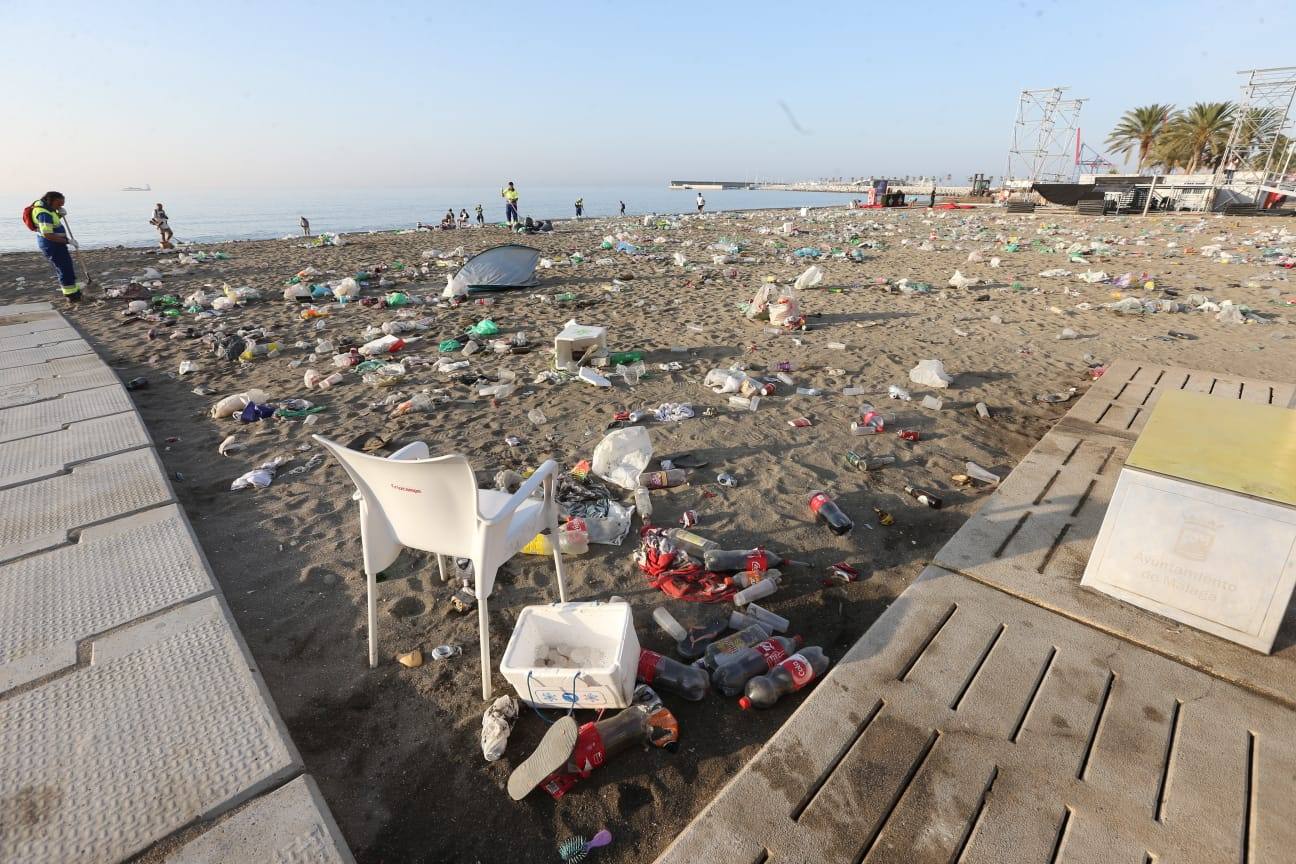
[199,94]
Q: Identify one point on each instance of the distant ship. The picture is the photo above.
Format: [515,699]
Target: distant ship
[145,188]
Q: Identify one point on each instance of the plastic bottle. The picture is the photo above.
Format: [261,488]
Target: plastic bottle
[923,497]
[663,479]
[727,560]
[748,578]
[693,544]
[787,677]
[827,511]
[572,540]
[759,659]
[672,676]
[723,650]
[690,642]
[383,345]
[643,503]
[768,619]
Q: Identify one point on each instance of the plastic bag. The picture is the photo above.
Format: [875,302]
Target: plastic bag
[958,280]
[812,276]
[231,405]
[785,309]
[623,455]
[497,723]
[930,373]
[347,288]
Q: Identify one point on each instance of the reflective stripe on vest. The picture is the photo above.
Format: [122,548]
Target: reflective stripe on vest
[54,226]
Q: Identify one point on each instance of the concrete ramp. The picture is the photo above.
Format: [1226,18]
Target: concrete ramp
[998,713]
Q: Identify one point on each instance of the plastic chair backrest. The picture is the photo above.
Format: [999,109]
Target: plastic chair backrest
[430,504]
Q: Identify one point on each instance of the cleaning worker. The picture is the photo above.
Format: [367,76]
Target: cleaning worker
[45,217]
[510,196]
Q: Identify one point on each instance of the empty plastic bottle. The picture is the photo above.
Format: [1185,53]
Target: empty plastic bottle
[672,676]
[758,590]
[759,659]
[663,479]
[787,677]
[748,578]
[690,642]
[923,497]
[693,544]
[722,650]
[777,623]
[728,560]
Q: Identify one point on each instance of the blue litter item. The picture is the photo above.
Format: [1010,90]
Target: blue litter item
[254,412]
[807,252]
[629,248]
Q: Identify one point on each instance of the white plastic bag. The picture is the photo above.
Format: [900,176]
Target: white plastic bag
[930,373]
[347,288]
[958,280]
[812,276]
[497,723]
[623,455]
[231,405]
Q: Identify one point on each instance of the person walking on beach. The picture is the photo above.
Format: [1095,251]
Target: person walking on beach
[163,225]
[305,226]
[932,202]
[622,203]
[481,220]
[580,207]
[510,196]
[45,217]
[701,202]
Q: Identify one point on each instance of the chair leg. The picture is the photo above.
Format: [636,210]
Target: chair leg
[441,567]
[552,507]
[373,619]
[483,628]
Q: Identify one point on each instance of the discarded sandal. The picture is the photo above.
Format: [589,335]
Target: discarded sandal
[554,750]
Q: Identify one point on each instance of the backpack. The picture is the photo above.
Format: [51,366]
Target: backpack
[28,219]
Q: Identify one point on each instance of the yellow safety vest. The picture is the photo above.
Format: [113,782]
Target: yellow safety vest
[54,226]
[510,194]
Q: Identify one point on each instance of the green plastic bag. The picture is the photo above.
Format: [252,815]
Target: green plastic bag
[449,346]
[485,327]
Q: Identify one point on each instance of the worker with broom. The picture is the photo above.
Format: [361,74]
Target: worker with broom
[45,217]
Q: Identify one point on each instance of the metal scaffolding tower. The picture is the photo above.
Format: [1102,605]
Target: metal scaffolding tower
[1043,140]
[1260,139]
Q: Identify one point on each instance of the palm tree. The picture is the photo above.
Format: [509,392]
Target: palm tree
[1198,136]
[1138,129]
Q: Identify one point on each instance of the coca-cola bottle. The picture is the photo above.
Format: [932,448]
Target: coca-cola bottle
[690,642]
[826,510]
[672,676]
[726,560]
[787,677]
[730,678]
[722,650]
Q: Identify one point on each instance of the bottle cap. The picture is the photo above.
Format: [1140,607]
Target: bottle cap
[744,703]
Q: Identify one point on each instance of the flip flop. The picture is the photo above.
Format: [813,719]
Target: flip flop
[554,751]
[689,460]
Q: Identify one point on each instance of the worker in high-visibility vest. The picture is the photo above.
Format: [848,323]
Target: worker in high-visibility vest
[54,242]
[510,196]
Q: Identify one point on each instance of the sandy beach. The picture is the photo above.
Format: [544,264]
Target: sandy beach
[396,751]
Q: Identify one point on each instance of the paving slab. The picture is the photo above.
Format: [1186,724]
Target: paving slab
[40,515]
[1034,535]
[26,341]
[1120,401]
[57,368]
[32,356]
[50,415]
[167,725]
[291,825]
[17,310]
[36,323]
[117,572]
[969,725]
[37,456]
[38,390]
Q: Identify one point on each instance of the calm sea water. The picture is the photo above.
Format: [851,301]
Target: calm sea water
[121,218]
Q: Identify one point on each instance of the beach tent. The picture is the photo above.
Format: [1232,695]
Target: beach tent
[502,268]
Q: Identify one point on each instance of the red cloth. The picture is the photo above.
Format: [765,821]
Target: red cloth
[674,573]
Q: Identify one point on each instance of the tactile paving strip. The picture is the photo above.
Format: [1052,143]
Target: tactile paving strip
[37,418]
[1034,535]
[1120,401]
[33,356]
[117,572]
[291,825]
[54,368]
[967,725]
[39,515]
[37,456]
[25,341]
[49,321]
[167,725]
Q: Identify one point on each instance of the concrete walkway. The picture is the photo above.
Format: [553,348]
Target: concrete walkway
[998,713]
[132,717]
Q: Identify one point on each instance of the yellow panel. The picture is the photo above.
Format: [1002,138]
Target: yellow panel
[1226,443]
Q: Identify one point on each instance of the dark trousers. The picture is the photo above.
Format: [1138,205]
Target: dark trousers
[510,212]
[61,258]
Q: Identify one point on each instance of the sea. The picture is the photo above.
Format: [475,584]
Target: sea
[119,218]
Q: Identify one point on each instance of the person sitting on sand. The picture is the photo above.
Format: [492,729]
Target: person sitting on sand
[463,218]
[448,221]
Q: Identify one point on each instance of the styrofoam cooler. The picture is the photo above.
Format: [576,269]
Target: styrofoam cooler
[582,654]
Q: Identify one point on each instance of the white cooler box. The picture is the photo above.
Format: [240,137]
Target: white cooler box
[565,654]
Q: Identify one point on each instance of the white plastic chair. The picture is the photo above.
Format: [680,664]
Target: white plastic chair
[411,500]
